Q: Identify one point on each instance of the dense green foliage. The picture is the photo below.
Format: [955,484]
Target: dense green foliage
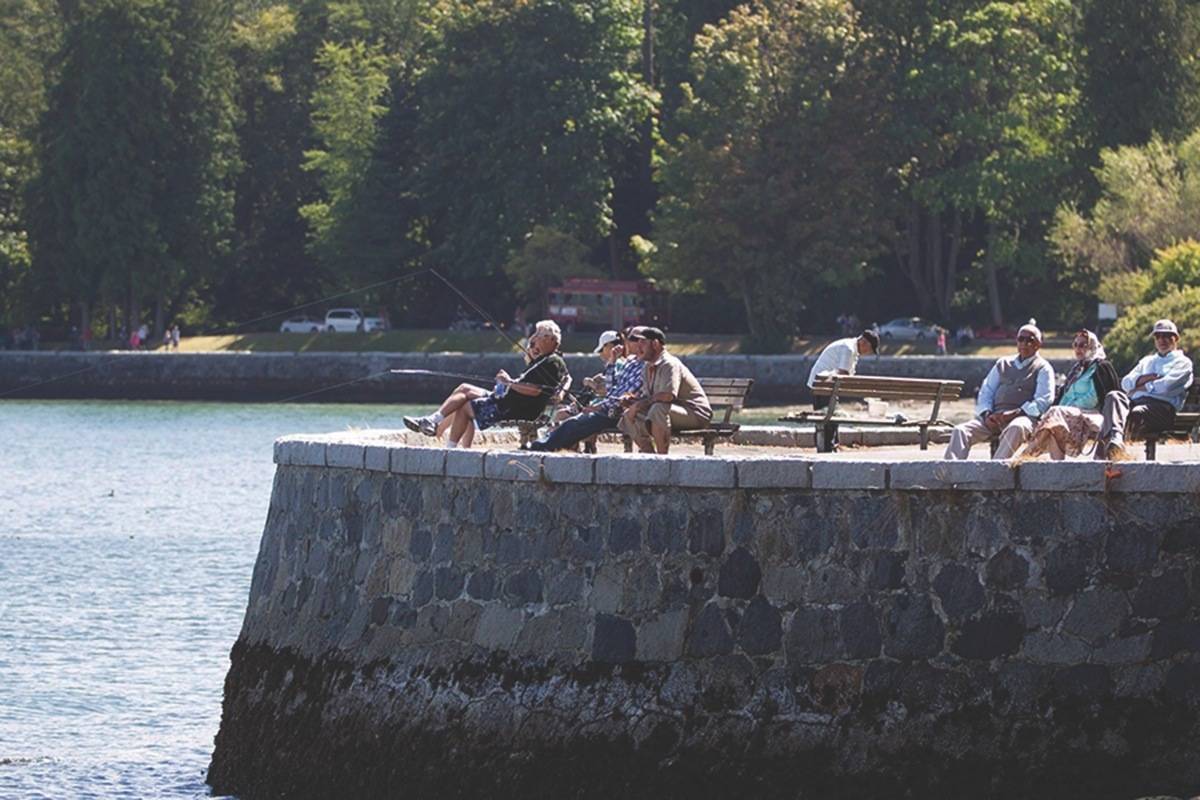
[1130,339]
[220,160]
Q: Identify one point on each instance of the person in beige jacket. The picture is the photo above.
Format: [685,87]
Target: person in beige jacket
[671,399]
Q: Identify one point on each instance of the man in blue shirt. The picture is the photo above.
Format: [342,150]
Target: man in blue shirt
[603,414]
[1149,396]
[1015,394]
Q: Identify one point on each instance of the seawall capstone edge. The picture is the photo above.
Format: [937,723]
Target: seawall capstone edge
[922,628]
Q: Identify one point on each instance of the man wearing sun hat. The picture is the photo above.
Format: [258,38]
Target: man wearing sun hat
[1149,395]
[1015,394]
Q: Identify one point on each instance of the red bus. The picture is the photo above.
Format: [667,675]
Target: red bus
[598,304]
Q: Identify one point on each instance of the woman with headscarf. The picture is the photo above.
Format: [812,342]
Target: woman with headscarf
[1074,419]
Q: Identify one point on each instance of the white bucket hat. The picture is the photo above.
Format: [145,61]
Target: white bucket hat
[608,337]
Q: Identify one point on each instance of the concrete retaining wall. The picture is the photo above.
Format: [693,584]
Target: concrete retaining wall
[446,623]
[363,377]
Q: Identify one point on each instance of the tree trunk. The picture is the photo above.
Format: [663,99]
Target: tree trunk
[85,322]
[933,258]
[909,257]
[956,238]
[989,269]
[751,318]
[160,308]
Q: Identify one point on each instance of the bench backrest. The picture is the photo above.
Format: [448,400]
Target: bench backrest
[728,394]
[1192,401]
[887,388]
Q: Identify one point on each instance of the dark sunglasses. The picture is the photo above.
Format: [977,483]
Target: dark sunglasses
[1026,339]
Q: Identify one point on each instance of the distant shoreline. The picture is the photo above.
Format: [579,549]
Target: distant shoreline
[365,378]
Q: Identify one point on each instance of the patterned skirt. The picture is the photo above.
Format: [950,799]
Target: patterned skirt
[1070,428]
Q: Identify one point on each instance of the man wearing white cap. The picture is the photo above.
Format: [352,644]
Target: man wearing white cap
[1149,396]
[1015,394]
[620,377]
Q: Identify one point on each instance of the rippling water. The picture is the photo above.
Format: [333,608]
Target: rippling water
[128,533]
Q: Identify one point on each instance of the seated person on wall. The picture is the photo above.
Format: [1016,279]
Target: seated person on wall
[601,415]
[470,408]
[841,357]
[1149,395]
[595,386]
[1074,419]
[1016,392]
[671,398]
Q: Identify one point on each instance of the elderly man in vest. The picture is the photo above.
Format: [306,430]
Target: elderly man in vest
[1014,395]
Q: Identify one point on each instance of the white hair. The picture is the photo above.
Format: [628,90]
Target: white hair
[548,327]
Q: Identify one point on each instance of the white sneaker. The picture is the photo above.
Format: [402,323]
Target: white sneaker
[424,425]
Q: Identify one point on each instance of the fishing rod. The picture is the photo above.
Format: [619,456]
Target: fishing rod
[475,306]
[544,388]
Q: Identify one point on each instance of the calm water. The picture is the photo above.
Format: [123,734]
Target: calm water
[128,533]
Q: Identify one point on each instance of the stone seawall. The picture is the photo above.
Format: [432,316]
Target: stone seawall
[364,378]
[434,623]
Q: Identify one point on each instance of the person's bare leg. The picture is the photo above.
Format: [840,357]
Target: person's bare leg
[1055,449]
[459,427]
[464,394]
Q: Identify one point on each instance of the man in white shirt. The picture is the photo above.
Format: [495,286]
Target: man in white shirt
[1015,394]
[841,357]
[1149,396]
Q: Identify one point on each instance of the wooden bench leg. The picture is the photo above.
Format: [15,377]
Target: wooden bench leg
[924,436]
[1151,448]
[589,445]
[709,441]
[625,440]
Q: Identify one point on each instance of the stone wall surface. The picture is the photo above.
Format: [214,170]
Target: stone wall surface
[435,623]
[364,377]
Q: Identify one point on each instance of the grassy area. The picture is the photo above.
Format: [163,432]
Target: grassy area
[434,341]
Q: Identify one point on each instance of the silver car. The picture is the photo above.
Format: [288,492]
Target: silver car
[908,329]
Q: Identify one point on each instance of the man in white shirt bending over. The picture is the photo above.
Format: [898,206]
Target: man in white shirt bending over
[840,357]
[1149,396]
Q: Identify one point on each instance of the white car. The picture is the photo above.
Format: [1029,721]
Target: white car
[352,320]
[300,325]
[908,329]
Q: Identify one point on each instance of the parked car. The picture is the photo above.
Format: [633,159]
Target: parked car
[300,325]
[908,329]
[352,320]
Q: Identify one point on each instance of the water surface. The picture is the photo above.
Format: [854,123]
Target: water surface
[128,533]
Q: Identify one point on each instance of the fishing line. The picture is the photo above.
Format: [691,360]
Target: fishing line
[544,388]
[487,317]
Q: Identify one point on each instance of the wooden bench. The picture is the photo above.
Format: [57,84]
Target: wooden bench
[841,387]
[724,394]
[1187,424]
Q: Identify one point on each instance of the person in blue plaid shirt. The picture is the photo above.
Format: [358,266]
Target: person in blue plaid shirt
[603,414]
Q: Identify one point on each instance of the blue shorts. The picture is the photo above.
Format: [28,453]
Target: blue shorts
[487,412]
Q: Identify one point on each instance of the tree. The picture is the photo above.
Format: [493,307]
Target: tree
[981,99]
[547,257]
[766,189]
[1142,76]
[136,155]
[1149,200]
[346,106]
[104,138]
[525,107]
